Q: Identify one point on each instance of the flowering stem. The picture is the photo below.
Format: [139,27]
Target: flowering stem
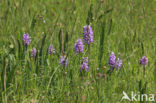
[88,54]
[26,47]
[144,70]
[62,48]
[88,49]
[5,75]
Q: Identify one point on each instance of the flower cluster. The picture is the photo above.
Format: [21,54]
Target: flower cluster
[118,63]
[85,64]
[113,63]
[112,59]
[79,46]
[51,50]
[26,39]
[144,61]
[64,61]
[33,52]
[88,34]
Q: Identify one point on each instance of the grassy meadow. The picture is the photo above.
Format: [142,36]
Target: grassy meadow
[125,27]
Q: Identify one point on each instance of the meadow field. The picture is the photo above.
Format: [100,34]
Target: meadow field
[77,51]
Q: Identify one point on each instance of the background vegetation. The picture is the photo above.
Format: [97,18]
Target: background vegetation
[126,27]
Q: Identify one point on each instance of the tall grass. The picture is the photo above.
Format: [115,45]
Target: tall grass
[126,27]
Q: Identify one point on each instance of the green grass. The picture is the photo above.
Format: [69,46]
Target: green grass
[126,27]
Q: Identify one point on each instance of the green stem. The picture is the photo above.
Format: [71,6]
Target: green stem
[144,70]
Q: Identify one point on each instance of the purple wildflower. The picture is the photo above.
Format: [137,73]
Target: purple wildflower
[112,58]
[51,50]
[33,52]
[85,64]
[144,61]
[88,34]
[26,39]
[64,61]
[79,46]
[118,63]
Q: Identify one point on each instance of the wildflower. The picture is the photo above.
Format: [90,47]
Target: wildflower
[26,39]
[88,34]
[44,21]
[97,68]
[64,61]
[79,46]
[118,63]
[33,52]
[112,58]
[51,50]
[85,64]
[144,61]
